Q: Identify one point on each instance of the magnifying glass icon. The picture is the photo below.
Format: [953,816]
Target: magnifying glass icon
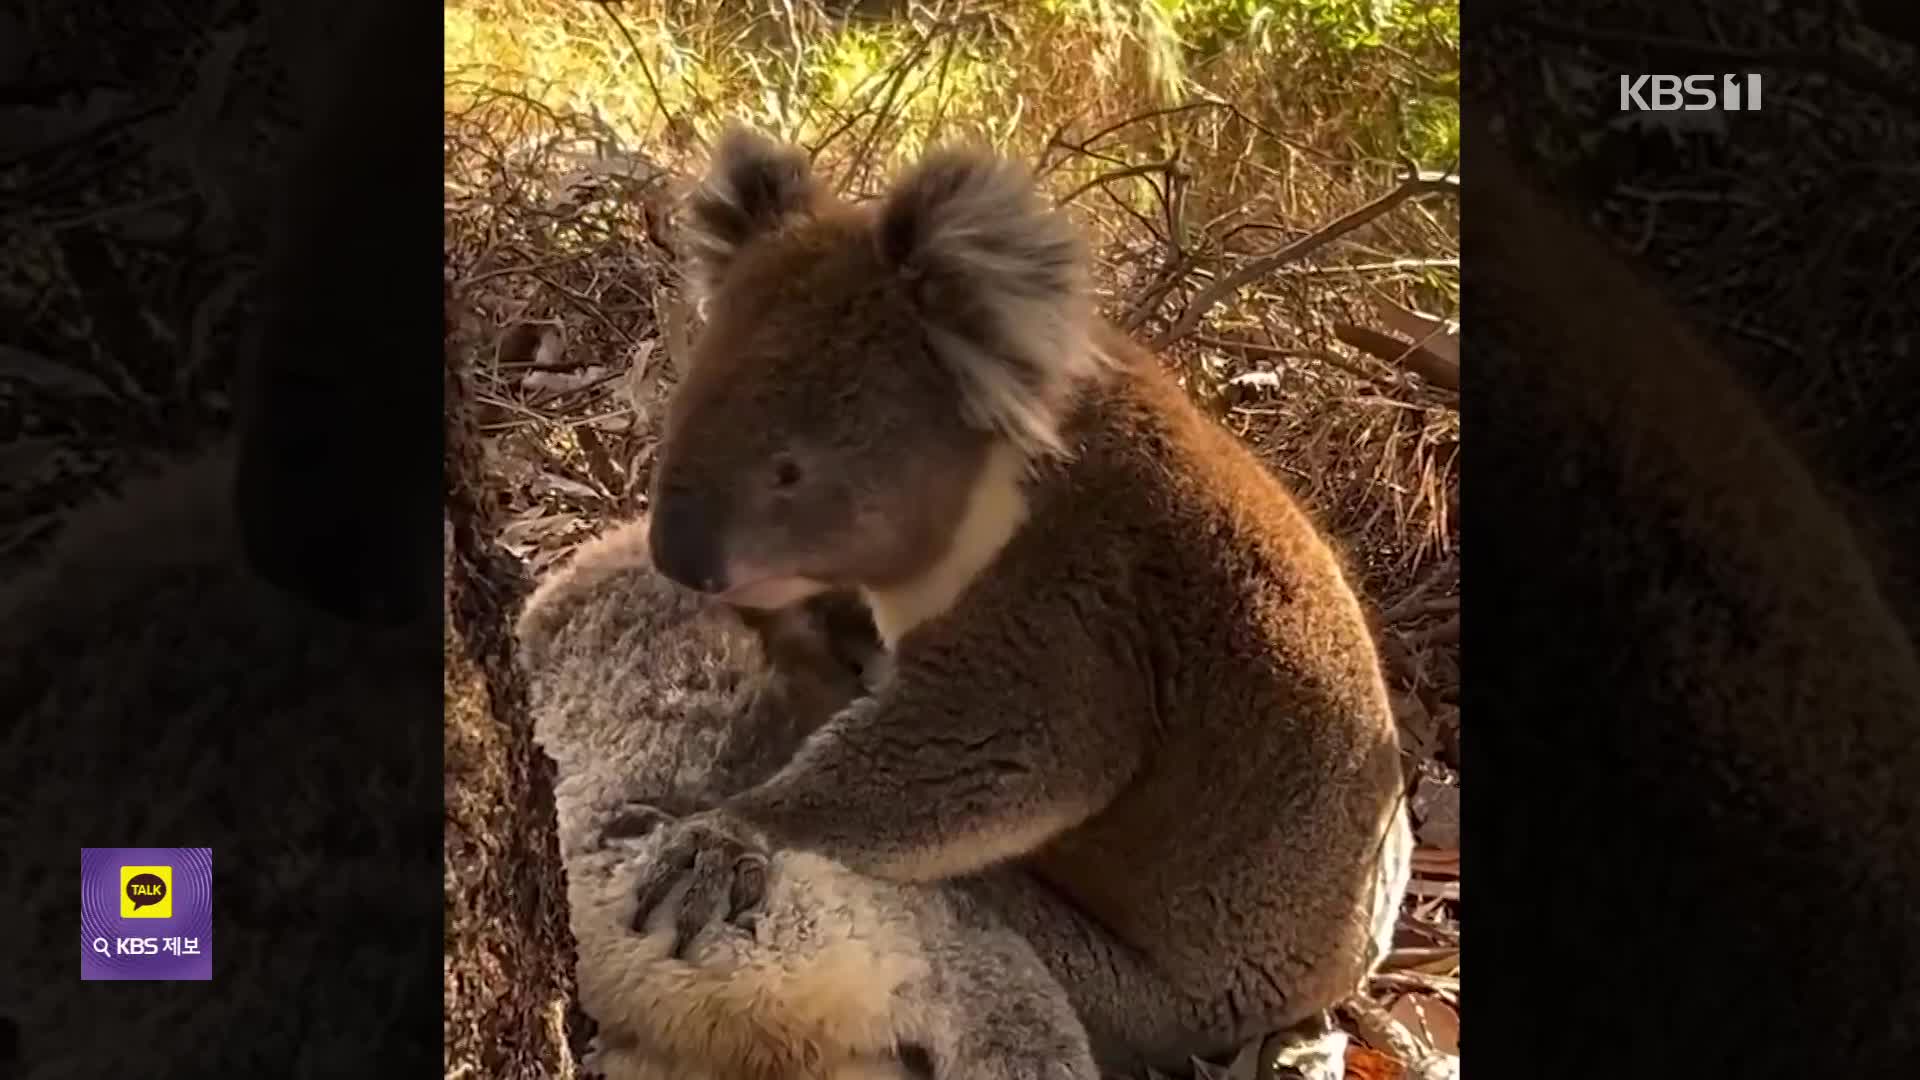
[100,946]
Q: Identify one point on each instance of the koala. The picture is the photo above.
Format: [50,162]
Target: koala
[646,693]
[1132,704]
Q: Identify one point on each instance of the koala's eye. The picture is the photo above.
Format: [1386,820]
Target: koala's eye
[786,473]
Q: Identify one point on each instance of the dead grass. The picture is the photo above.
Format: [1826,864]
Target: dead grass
[1192,147]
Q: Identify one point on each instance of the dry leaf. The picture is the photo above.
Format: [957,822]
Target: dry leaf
[544,559]
[1367,1064]
[552,343]
[1433,960]
[1436,806]
[1437,890]
[560,382]
[524,534]
[1416,723]
[641,388]
[1445,987]
[1430,1019]
[563,486]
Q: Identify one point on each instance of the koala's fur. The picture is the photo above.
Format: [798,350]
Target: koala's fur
[1131,688]
[645,692]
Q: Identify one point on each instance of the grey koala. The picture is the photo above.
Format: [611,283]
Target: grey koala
[649,696]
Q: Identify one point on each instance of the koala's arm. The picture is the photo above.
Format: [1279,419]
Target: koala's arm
[987,741]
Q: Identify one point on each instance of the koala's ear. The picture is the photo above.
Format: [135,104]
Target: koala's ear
[753,187]
[1001,279]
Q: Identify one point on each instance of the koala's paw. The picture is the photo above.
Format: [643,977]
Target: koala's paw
[629,819]
[723,863]
[634,821]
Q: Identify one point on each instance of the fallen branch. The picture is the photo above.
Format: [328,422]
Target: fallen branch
[1443,633]
[1414,185]
[1411,604]
[1418,359]
[1437,335]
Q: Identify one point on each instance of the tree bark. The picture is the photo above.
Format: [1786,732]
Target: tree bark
[511,1009]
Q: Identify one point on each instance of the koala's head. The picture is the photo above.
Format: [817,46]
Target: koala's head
[860,365]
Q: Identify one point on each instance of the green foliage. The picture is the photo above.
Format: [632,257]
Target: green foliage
[1380,73]
[1418,40]
[1322,46]
[1343,26]
[1431,124]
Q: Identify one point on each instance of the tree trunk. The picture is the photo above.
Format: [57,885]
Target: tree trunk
[511,1010]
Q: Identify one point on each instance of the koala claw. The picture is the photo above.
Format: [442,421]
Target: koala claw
[749,889]
[724,865]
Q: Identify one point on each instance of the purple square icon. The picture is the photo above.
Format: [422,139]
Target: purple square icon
[146,913]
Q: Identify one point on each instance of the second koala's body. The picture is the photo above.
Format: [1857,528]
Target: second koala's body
[645,692]
[1133,703]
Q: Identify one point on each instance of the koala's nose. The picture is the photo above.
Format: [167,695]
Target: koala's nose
[681,537]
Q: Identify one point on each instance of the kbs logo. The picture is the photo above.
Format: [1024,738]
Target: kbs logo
[1693,93]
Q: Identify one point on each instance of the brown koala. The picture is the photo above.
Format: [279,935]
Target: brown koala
[641,690]
[1133,702]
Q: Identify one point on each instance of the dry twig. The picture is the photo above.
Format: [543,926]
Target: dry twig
[1413,186]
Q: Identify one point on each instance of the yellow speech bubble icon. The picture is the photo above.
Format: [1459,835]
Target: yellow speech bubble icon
[146,892]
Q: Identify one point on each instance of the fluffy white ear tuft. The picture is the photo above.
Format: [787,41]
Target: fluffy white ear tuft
[1001,280]
[753,187]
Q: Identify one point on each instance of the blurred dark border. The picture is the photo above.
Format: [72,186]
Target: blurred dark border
[1629,918]
[1670,874]
[232,239]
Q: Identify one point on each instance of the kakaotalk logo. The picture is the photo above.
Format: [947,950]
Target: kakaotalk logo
[1692,93]
[146,892]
